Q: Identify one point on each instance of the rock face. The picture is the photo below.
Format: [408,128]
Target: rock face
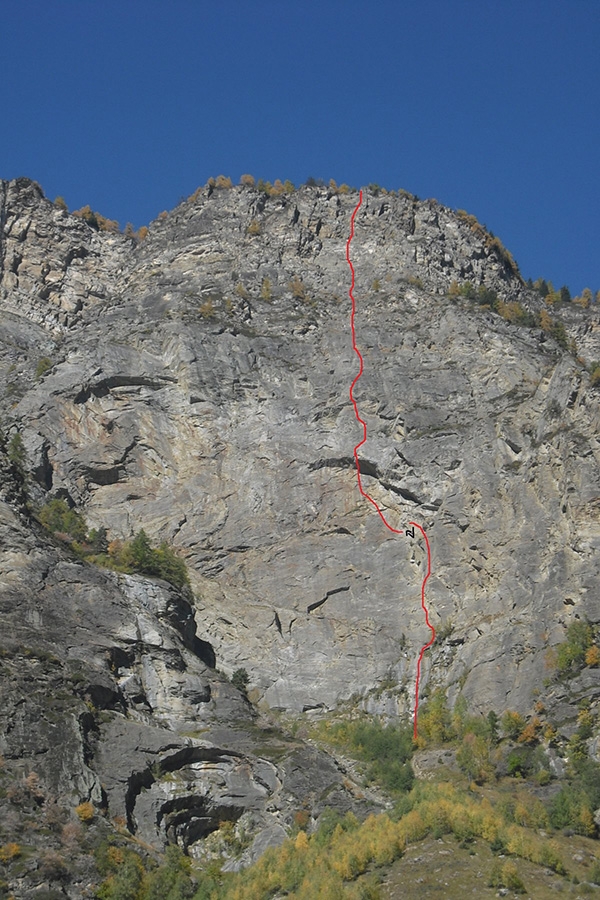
[108,695]
[199,389]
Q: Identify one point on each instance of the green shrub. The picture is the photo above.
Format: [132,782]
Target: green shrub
[136,556]
[570,655]
[487,297]
[386,749]
[468,290]
[240,679]
[170,881]
[511,878]
[565,294]
[473,757]
[97,540]
[574,804]
[59,518]
[16,453]
[128,877]
[518,762]
[435,722]
[139,556]
[513,724]
[43,366]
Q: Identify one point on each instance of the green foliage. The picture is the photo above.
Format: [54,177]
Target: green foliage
[334,862]
[59,518]
[467,289]
[574,805]
[240,679]
[265,187]
[125,881]
[43,366]
[478,736]
[559,334]
[513,724]
[97,539]
[525,761]
[139,556]
[16,452]
[506,876]
[171,881]
[570,655]
[492,719]
[486,297]
[386,749]
[473,757]
[554,328]
[136,556]
[435,725]
[127,877]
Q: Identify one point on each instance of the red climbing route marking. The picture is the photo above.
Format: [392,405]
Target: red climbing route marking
[364,493]
[429,625]
[360,371]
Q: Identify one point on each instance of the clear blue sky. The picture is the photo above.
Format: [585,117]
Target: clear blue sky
[492,106]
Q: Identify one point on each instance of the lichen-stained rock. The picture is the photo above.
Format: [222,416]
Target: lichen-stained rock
[200,391]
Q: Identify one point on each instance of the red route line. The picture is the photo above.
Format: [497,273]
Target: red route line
[364,493]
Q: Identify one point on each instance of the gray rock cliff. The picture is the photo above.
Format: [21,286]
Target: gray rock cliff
[199,389]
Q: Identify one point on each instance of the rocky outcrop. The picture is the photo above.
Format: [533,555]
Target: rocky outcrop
[106,695]
[198,388]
